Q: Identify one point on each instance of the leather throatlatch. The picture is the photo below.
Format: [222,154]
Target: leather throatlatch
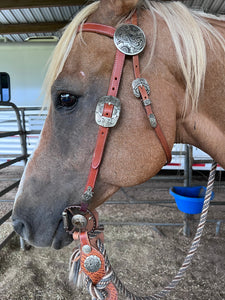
[141,90]
[78,220]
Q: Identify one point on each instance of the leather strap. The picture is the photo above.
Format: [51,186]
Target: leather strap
[148,108]
[107,112]
[108,109]
[96,276]
[97,28]
[158,130]
[89,249]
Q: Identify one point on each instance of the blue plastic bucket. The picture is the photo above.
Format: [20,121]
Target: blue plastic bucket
[189,199]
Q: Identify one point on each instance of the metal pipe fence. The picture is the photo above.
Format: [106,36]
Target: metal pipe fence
[21,132]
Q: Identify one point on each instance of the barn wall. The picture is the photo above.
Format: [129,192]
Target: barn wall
[26,64]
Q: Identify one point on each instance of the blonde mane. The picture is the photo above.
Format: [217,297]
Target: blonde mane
[62,50]
[189,32]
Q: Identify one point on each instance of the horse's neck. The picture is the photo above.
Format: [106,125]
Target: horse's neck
[216,22]
[205,129]
[205,133]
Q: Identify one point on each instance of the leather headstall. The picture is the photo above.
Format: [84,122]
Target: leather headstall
[129,39]
[78,220]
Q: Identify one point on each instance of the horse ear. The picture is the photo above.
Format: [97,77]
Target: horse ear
[120,7]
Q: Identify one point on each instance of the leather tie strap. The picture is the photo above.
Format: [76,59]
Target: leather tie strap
[148,108]
[92,263]
[149,111]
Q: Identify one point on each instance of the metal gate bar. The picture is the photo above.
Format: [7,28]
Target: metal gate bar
[13,161]
[6,217]
[22,134]
[9,188]
[6,240]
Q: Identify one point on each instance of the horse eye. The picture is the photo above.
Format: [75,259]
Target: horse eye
[66,100]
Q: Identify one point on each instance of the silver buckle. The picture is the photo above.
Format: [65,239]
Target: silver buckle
[129,39]
[107,121]
[140,82]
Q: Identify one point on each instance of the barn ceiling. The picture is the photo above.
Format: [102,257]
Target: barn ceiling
[21,19]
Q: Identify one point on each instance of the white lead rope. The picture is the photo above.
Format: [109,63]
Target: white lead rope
[194,246]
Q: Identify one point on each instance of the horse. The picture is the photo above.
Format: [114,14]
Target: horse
[183,62]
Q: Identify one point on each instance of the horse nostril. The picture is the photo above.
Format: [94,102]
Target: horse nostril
[19,226]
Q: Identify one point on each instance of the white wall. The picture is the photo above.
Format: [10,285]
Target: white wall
[26,64]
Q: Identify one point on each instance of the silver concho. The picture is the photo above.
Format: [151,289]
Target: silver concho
[107,121]
[129,39]
[92,263]
[86,249]
[79,221]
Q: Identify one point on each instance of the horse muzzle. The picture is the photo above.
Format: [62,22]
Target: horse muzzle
[21,227]
[41,238]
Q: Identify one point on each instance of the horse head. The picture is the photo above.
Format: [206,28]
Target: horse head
[79,75]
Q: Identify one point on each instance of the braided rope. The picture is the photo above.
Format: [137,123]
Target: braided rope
[181,272]
[74,266]
[195,243]
[98,291]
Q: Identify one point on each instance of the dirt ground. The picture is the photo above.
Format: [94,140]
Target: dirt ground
[145,257]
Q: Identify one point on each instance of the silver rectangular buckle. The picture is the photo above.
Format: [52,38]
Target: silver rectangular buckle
[107,121]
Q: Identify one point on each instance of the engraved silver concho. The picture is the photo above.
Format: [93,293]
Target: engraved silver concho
[107,121]
[92,263]
[79,221]
[129,39]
